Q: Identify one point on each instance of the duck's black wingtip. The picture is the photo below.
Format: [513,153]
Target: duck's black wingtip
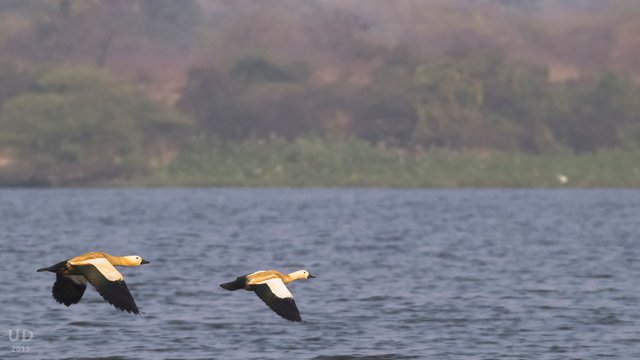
[133,311]
[236,284]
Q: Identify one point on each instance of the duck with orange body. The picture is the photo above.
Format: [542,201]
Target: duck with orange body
[270,287]
[96,268]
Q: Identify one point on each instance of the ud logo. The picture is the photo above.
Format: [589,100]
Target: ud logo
[20,335]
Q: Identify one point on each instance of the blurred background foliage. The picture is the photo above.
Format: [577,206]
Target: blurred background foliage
[207,92]
[74,126]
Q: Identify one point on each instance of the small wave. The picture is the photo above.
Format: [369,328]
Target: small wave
[598,276]
[82,323]
[602,290]
[375,298]
[468,279]
[609,320]
[99,358]
[365,357]
[539,291]
[219,325]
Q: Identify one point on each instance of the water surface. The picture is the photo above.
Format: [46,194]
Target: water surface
[402,274]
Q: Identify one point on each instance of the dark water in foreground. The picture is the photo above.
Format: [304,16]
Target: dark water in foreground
[466,274]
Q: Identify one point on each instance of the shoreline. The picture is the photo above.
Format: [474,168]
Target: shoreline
[319,163]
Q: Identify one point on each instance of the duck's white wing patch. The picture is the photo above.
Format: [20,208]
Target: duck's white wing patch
[103,266]
[109,283]
[278,288]
[276,295]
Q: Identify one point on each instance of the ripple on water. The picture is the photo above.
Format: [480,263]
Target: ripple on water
[83,324]
[367,357]
[402,274]
[100,358]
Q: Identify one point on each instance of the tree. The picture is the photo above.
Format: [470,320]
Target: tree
[81,125]
[483,100]
[593,113]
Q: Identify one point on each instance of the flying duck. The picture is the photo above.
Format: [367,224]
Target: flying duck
[98,269]
[269,285]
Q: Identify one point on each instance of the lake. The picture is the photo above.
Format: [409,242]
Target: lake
[401,274]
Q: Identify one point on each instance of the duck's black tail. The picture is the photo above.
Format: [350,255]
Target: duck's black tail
[53,268]
[236,284]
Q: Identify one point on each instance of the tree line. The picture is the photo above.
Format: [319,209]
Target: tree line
[478,100]
[83,91]
[61,124]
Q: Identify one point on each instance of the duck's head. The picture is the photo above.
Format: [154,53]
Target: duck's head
[301,274]
[133,260]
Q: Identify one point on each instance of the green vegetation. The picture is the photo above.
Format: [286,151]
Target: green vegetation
[480,100]
[443,93]
[314,162]
[77,126]
[479,120]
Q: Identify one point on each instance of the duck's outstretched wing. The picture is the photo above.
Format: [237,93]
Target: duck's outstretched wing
[67,290]
[109,283]
[275,294]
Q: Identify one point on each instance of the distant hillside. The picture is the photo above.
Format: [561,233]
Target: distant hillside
[158,40]
[92,91]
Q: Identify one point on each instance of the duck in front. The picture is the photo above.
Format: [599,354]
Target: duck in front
[270,286]
[96,268]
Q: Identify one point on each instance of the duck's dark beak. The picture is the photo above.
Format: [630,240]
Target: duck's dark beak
[144,262]
[311,276]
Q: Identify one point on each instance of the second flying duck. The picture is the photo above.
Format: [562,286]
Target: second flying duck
[269,285]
